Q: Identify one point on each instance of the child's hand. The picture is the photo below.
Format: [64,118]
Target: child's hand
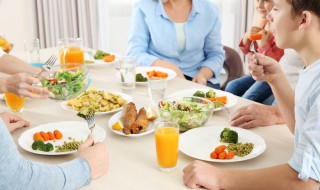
[265,38]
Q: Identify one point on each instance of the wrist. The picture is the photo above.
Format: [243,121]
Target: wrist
[3,85]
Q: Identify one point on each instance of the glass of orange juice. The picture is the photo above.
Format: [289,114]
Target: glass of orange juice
[71,51]
[14,102]
[167,141]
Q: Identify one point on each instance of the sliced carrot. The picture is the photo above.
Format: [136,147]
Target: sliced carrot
[220,149]
[44,135]
[255,37]
[108,58]
[51,135]
[57,134]
[230,155]
[37,137]
[161,74]
[222,99]
[214,155]
[222,155]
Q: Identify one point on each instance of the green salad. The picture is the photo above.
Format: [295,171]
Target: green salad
[65,84]
[187,112]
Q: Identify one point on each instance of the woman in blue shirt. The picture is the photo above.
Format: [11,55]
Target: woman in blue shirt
[182,35]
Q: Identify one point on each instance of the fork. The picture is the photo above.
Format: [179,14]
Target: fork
[254,50]
[48,64]
[90,121]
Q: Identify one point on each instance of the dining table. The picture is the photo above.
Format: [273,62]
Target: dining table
[133,161]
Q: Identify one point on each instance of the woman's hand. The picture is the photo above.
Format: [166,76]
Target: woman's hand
[13,122]
[203,76]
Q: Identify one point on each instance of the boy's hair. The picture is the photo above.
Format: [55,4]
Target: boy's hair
[298,6]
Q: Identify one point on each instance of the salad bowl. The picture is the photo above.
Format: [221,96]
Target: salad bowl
[66,81]
[188,112]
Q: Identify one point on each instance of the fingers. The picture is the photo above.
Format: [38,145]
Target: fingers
[16,125]
[15,118]
[87,143]
[189,178]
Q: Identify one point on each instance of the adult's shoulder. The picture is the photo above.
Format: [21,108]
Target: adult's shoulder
[208,6]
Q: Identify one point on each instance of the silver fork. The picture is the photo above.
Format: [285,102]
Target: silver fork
[254,50]
[91,123]
[48,64]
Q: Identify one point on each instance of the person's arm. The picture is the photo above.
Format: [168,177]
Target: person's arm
[201,174]
[12,65]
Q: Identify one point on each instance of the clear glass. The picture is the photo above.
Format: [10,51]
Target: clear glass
[157,88]
[32,50]
[14,102]
[167,143]
[128,72]
[71,51]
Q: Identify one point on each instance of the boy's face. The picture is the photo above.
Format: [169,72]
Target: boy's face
[283,25]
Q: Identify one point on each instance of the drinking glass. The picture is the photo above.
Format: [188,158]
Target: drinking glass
[167,142]
[32,49]
[14,102]
[71,51]
[128,72]
[157,88]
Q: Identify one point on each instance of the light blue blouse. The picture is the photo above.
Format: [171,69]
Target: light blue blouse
[19,173]
[153,36]
[306,158]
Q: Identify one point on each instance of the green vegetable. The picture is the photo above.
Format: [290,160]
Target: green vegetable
[100,54]
[84,112]
[88,62]
[141,78]
[39,145]
[210,94]
[241,149]
[229,136]
[199,94]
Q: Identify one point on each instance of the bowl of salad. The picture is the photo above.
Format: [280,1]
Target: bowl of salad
[66,81]
[188,112]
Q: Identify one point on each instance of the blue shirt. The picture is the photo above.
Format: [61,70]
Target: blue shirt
[19,173]
[153,36]
[306,158]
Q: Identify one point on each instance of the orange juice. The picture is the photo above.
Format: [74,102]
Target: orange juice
[14,102]
[167,140]
[71,55]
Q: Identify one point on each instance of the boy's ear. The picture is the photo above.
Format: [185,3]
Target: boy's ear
[306,18]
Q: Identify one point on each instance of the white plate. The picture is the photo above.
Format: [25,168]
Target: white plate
[231,99]
[2,97]
[116,117]
[100,62]
[74,129]
[200,142]
[144,70]
[123,95]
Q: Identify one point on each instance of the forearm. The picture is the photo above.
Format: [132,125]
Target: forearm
[206,72]
[277,113]
[13,65]
[285,99]
[275,178]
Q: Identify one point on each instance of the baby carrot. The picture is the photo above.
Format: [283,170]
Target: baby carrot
[57,134]
[222,99]
[37,137]
[51,135]
[213,155]
[220,149]
[108,58]
[230,155]
[222,155]
[44,135]
[255,37]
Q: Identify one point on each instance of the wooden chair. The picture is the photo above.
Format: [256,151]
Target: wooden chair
[233,65]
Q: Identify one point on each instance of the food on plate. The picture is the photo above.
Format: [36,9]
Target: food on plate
[241,149]
[65,83]
[40,145]
[222,99]
[188,112]
[255,37]
[158,74]
[117,126]
[199,94]
[37,137]
[228,136]
[220,149]
[134,123]
[109,58]
[5,44]
[220,153]
[100,54]
[45,136]
[141,78]
[69,146]
[88,61]
[51,135]
[98,100]
[151,113]
[129,117]
[57,134]
[84,112]
[211,95]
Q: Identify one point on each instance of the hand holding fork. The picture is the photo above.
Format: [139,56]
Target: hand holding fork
[253,38]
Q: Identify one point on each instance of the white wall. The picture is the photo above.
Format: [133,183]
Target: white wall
[16,22]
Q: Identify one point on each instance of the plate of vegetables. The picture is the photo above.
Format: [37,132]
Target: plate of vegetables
[58,138]
[207,143]
[101,59]
[218,97]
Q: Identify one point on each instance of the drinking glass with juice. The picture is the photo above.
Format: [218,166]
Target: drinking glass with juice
[14,102]
[167,141]
[71,51]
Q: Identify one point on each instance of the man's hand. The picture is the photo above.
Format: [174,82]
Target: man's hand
[13,122]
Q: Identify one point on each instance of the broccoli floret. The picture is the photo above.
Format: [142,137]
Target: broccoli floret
[199,94]
[140,78]
[37,145]
[100,54]
[229,136]
[86,111]
[210,94]
[48,147]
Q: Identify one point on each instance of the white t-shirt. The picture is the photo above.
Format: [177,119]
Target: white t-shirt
[181,38]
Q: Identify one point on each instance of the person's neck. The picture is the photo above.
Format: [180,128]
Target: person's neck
[177,4]
[310,53]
